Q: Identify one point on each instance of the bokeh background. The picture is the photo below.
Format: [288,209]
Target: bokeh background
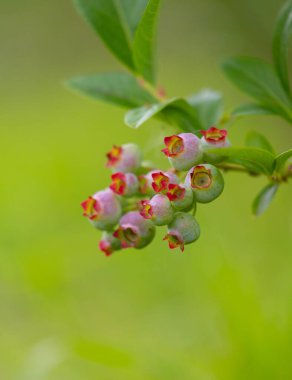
[220,311]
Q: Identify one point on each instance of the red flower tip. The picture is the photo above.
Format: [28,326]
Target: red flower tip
[160,182]
[174,241]
[214,135]
[118,184]
[114,155]
[175,192]
[174,146]
[91,208]
[118,233]
[145,209]
[201,177]
[105,247]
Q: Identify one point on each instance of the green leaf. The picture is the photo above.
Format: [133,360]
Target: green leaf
[281,160]
[208,105]
[121,89]
[254,159]
[282,32]
[175,111]
[257,140]
[108,19]
[144,42]
[251,109]
[133,11]
[258,79]
[264,198]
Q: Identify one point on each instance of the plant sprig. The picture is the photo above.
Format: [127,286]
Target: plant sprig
[128,29]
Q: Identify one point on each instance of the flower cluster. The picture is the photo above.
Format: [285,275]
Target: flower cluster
[140,198]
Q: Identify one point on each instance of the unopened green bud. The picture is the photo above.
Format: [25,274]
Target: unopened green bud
[206,181]
[184,229]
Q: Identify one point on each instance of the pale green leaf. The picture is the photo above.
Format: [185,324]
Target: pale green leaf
[281,160]
[175,111]
[108,19]
[145,40]
[258,79]
[253,109]
[264,198]
[208,105]
[121,89]
[282,33]
[257,140]
[254,159]
[133,11]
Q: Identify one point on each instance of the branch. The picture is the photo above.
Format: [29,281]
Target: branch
[236,168]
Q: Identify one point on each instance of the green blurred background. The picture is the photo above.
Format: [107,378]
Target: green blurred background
[223,309]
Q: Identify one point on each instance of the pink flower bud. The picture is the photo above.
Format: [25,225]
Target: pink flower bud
[103,209]
[206,181]
[135,231]
[213,138]
[161,180]
[145,183]
[175,192]
[126,158]
[181,197]
[184,229]
[183,150]
[158,209]
[109,244]
[125,184]
[156,181]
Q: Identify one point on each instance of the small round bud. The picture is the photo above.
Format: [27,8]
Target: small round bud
[183,150]
[135,231]
[126,158]
[206,181]
[161,180]
[158,209]
[125,184]
[103,209]
[155,181]
[145,183]
[213,138]
[181,197]
[109,244]
[184,229]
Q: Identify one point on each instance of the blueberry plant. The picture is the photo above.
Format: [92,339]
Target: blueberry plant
[141,197]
